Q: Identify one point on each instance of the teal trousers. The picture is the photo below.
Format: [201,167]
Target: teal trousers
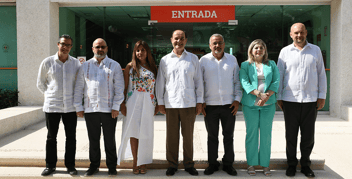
[259,120]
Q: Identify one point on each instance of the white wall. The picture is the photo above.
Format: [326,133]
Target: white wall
[37,34]
[341,63]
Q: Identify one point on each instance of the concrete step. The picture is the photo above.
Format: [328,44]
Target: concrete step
[60,173]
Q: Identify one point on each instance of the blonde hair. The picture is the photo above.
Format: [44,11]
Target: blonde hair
[250,48]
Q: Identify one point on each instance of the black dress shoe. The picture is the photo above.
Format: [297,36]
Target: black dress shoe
[91,171]
[171,171]
[307,171]
[291,171]
[229,170]
[211,169]
[112,172]
[192,171]
[72,171]
[48,171]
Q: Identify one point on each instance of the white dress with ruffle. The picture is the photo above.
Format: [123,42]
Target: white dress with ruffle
[139,122]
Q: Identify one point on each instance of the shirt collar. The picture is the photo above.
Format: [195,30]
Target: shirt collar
[103,61]
[56,57]
[223,57]
[308,45]
[174,54]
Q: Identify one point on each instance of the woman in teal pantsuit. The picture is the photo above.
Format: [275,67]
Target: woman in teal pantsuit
[260,79]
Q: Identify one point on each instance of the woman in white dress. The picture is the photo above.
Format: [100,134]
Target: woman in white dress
[139,107]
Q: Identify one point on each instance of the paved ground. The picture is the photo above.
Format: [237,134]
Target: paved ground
[333,143]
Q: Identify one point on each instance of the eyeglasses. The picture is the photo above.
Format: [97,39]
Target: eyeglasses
[218,43]
[66,45]
[98,47]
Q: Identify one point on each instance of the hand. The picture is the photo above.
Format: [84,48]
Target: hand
[114,114]
[280,104]
[264,96]
[234,105]
[199,108]
[261,102]
[162,109]
[320,104]
[156,110]
[80,114]
[123,109]
[203,109]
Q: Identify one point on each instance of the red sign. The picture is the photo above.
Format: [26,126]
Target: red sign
[192,13]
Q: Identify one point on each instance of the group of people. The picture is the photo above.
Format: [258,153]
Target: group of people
[182,87]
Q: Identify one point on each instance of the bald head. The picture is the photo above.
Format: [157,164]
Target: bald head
[100,41]
[298,26]
[299,34]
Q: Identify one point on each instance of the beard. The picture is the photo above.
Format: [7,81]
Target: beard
[96,55]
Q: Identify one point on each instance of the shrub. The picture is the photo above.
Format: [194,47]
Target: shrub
[8,98]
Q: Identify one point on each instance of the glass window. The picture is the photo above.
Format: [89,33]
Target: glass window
[123,26]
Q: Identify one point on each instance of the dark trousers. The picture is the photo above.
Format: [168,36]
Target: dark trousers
[187,117]
[52,124]
[299,116]
[214,114]
[94,122]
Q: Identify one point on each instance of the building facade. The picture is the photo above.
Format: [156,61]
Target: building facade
[32,29]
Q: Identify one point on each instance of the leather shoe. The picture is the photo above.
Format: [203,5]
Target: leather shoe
[229,170]
[171,171]
[91,171]
[48,171]
[112,172]
[72,171]
[291,171]
[191,170]
[307,171]
[211,169]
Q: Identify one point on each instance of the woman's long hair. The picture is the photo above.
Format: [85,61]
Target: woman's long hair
[250,49]
[136,64]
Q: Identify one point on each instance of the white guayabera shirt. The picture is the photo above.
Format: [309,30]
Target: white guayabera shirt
[302,74]
[179,83]
[56,80]
[101,84]
[221,79]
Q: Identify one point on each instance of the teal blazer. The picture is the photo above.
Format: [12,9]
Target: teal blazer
[249,81]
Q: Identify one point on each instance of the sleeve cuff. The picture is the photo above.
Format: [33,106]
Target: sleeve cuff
[116,107]
[249,90]
[200,100]
[322,95]
[79,109]
[160,101]
[237,98]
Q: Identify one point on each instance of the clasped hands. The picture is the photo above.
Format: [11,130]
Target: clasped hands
[264,97]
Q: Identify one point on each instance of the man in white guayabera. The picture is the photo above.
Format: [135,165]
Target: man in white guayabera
[221,100]
[302,93]
[56,80]
[100,81]
[179,90]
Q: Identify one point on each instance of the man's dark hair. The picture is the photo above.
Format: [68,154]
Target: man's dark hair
[180,30]
[66,36]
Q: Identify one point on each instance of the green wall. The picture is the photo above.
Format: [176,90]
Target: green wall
[8,38]
[74,26]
